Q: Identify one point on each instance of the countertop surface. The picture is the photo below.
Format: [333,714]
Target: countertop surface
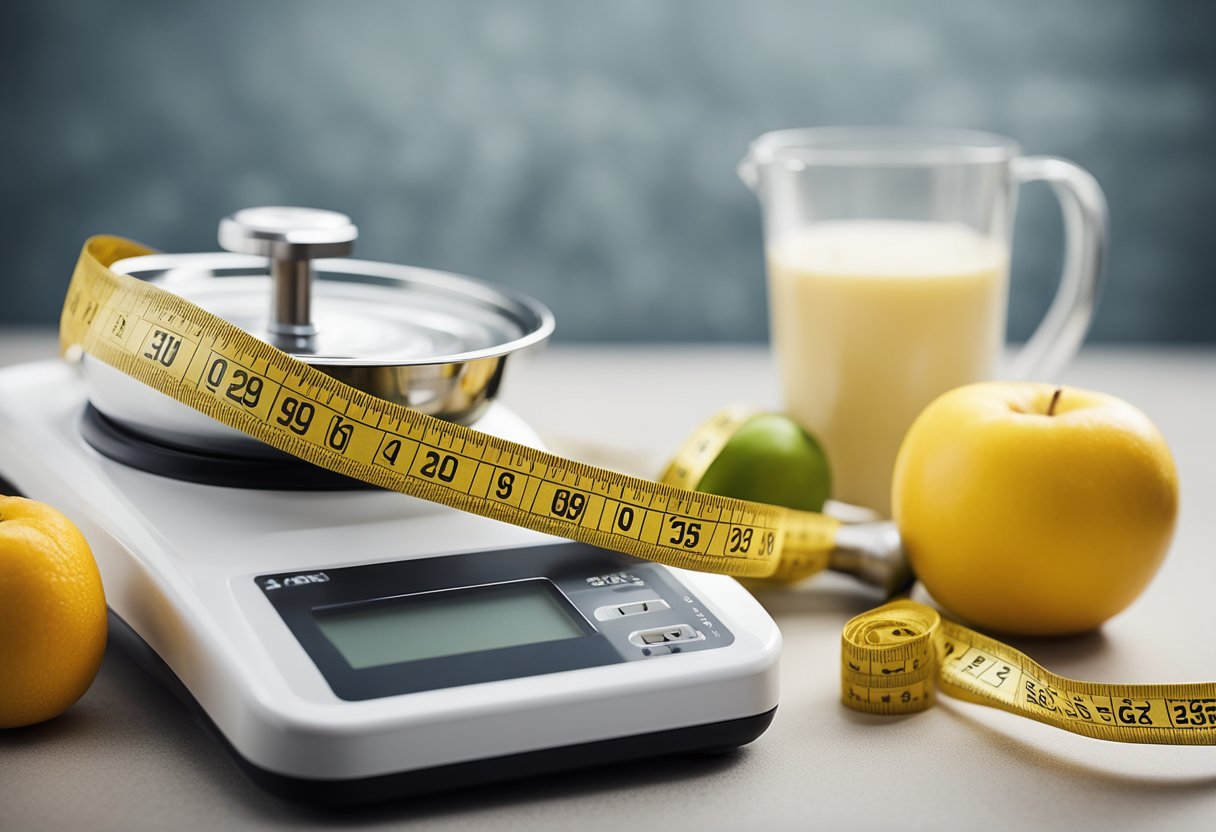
[129,756]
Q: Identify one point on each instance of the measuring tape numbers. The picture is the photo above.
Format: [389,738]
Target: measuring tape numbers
[809,537]
[892,657]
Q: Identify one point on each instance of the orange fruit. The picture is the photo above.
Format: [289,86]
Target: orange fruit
[52,613]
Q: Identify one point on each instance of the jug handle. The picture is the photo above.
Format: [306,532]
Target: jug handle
[1083,207]
[749,172]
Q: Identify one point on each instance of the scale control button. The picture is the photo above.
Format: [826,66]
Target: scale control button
[610,612]
[677,633]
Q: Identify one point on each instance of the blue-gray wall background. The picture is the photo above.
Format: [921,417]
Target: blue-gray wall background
[584,151]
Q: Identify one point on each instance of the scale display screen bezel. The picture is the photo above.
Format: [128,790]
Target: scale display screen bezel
[584,578]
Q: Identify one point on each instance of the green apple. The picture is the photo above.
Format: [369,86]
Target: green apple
[770,459]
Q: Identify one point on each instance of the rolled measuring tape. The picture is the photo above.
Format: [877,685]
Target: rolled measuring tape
[236,379]
[894,656]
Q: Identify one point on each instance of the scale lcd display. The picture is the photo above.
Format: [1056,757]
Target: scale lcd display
[448,623]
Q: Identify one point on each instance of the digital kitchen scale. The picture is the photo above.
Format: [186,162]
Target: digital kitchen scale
[348,643]
[354,645]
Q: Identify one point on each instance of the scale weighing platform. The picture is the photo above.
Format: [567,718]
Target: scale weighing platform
[354,645]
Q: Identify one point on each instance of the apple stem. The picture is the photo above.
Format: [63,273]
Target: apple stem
[1055,399]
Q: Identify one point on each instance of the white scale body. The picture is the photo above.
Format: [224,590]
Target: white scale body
[185,567]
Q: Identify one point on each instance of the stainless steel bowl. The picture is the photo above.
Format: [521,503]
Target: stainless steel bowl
[434,341]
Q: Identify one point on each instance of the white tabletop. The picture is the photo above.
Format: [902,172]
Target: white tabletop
[128,756]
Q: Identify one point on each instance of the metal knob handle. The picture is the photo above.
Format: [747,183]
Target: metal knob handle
[873,553]
[291,238]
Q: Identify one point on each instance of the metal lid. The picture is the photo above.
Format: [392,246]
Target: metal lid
[364,313]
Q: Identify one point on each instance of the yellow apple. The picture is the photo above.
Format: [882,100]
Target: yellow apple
[1034,509]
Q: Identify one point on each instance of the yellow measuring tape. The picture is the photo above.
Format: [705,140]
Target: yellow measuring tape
[202,361]
[893,655]
[191,355]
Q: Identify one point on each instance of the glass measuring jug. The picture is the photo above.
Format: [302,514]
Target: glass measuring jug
[888,259]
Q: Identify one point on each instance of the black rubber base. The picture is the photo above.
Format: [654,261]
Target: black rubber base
[711,738]
[276,472]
